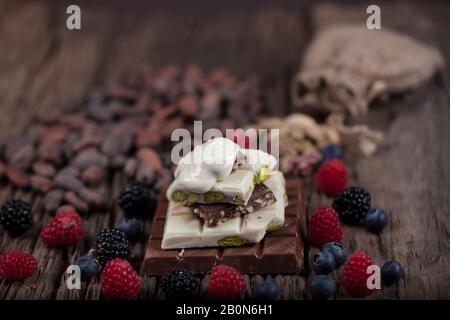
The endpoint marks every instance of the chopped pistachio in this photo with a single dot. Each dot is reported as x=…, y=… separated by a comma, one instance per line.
x=214, y=197
x=192, y=198
x=286, y=199
x=262, y=175
x=273, y=227
x=233, y=241
x=178, y=196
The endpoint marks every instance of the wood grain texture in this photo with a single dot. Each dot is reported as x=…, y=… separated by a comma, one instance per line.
x=45, y=66
x=407, y=176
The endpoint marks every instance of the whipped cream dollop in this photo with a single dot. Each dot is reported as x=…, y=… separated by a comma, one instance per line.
x=208, y=163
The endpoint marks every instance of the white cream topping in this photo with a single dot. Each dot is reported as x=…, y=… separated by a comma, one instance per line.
x=201, y=168
x=256, y=159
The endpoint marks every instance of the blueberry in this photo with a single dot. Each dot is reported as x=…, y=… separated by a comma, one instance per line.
x=323, y=262
x=376, y=220
x=331, y=151
x=392, y=272
x=338, y=252
x=89, y=267
x=131, y=227
x=268, y=290
x=322, y=287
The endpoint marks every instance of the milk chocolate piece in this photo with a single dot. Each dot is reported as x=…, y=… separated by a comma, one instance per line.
x=281, y=251
x=212, y=214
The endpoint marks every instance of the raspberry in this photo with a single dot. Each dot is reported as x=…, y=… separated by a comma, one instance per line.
x=16, y=217
x=225, y=283
x=15, y=265
x=112, y=243
x=324, y=227
x=179, y=283
x=354, y=276
x=137, y=199
x=120, y=281
x=244, y=141
x=332, y=178
x=352, y=205
x=65, y=229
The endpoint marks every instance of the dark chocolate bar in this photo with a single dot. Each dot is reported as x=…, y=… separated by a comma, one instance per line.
x=212, y=214
x=281, y=251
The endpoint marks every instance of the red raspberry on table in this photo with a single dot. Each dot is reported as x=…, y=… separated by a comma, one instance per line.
x=332, y=178
x=16, y=265
x=244, y=141
x=354, y=276
x=65, y=229
x=325, y=227
x=225, y=282
x=120, y=281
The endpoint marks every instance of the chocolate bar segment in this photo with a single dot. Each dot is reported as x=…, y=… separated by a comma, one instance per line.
x=280, y=251
x=235, y=188
x=212, y=214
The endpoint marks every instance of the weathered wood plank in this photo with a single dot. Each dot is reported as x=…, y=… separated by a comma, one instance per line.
x=407, y=176
x=25, y=41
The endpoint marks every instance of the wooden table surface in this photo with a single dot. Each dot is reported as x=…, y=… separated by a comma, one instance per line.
x=43, y=65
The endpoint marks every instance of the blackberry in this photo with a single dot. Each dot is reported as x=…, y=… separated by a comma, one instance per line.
x=179, y=283
x=112, y=243
x=16, y=217
x=352, y=205
x=137, y=199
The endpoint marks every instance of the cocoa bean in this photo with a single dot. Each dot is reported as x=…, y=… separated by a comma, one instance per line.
x=93, y=175
x=92, y=198
x=70, y=170
x=51, y=151
x=150, y=157
x=90, y=157
x=17, y=177
x=145, y=174
x=170, y=125
x=100, y=113
x=80, y=205
x=148, y=138
x=130, y=168
x=14, y=145
x=164, y=113
x=40, y=183
x=52, y=200
x=117, y=162
x=86, y=142
x=67, y=182
x=55, y=133
x=188, y=106
x=22, y=157
x=44, y=169
x=117, y=144
x=73, y=120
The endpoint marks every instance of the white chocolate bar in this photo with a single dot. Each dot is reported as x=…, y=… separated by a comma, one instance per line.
x=184, y=230
x=238, y=186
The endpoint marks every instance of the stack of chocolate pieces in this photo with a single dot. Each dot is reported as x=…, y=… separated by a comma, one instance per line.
x=230, y=207
x=225, y=197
